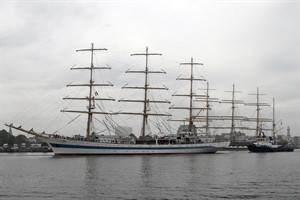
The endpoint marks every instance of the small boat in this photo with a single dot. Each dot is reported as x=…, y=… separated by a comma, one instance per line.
x=263, y=143
x=269, y=145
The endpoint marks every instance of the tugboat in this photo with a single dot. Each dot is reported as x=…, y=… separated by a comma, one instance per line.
x=264, y=144
x=268, y=144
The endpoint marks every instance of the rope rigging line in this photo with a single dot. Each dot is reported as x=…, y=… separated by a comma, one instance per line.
x=68, y=123
x=72, y=120
x=21, y=114
x=57, y=116
x=109, y=126
x=105, y=124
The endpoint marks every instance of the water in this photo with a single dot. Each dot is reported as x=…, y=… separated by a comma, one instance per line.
x=225, y=175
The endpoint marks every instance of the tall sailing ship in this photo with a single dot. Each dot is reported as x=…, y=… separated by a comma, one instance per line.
x=184, y=142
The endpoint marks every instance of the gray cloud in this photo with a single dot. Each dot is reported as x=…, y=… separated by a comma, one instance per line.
x=247, y=43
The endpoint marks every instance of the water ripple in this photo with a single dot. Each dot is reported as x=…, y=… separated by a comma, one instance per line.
x=230, y=175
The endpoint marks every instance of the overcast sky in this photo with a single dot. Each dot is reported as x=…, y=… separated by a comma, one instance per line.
x=249, y=43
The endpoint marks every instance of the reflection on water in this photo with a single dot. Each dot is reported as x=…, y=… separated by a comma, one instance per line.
x=91, y=176
x=145, y=174
x=231, y=175
x=146, y=167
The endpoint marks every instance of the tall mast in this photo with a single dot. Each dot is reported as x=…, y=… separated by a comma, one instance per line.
x=190, y=95
x=274, y=131
x=257, y=112
x=145, y=116
x=232, y=109
x=146, y=89
x=91, y=98
x=274, y=123
x=90, y=114
x=233, y=103
x=258, y=119
x=207, y=108
x=207, y=99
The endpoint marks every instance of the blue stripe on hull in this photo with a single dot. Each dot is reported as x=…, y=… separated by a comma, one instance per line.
x=81, y=151
x=132, y=153
x=126, y=148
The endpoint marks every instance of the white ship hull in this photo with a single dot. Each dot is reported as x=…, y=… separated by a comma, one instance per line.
x=74, y=147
